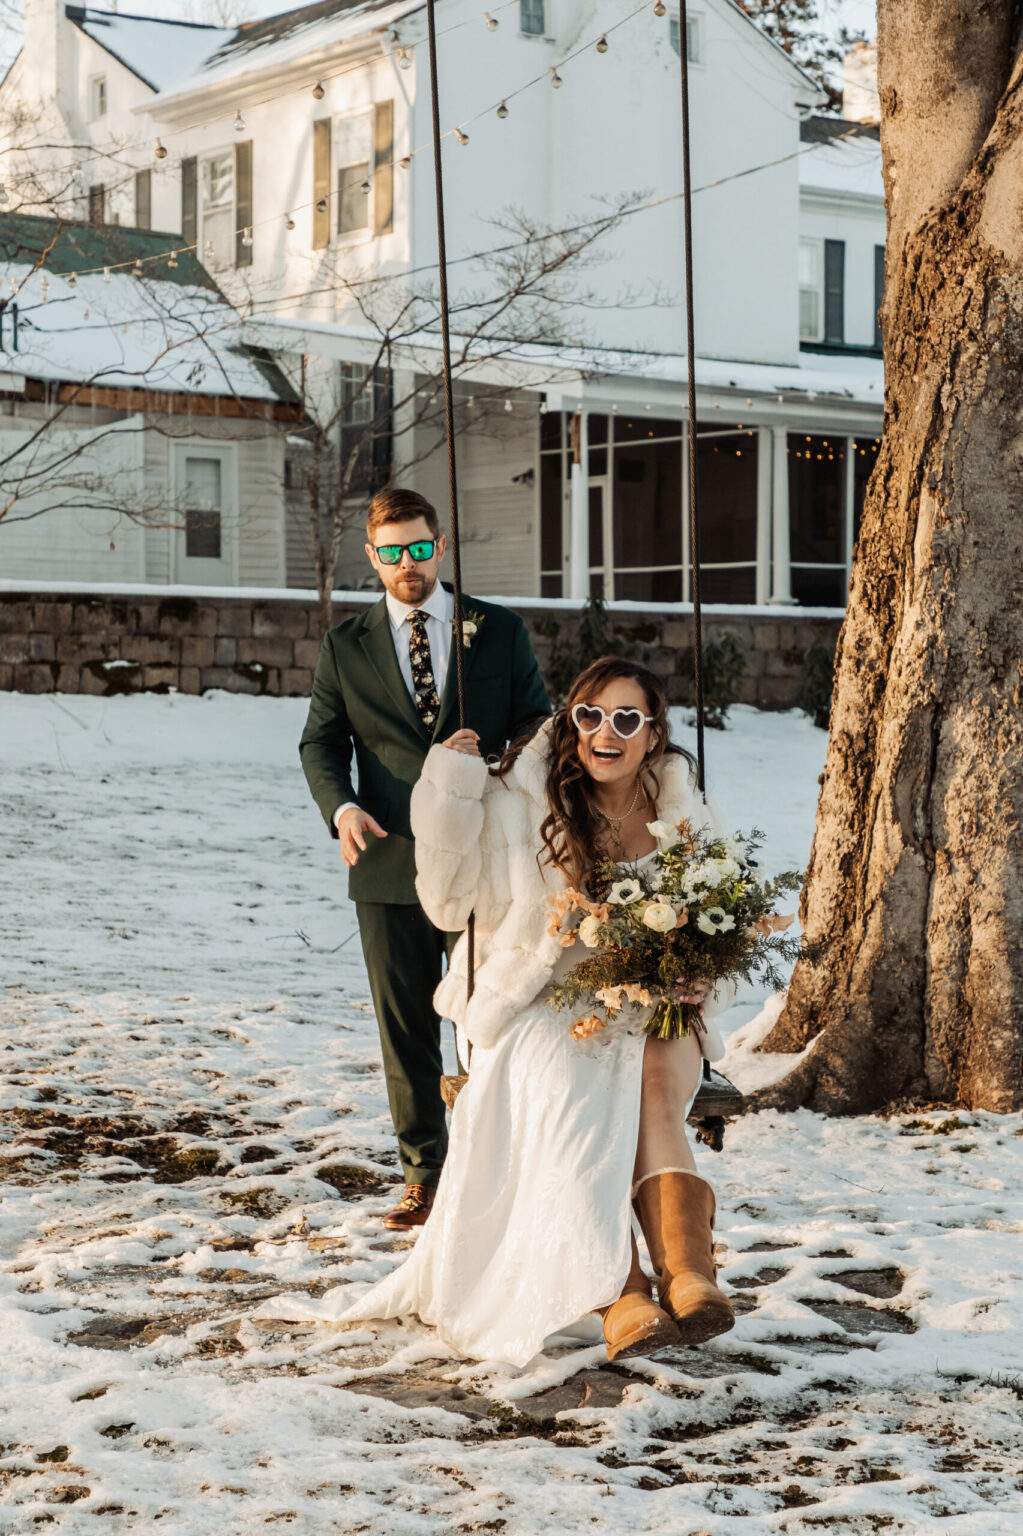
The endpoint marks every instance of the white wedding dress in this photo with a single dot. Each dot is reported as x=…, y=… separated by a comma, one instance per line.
x=531, y=1229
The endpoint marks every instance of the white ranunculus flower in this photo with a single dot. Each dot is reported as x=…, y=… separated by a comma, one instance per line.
x=589, y=928
x=624, y=891
x=664, y=832
x=715, y=920
x=727, y=869
x=660, y=917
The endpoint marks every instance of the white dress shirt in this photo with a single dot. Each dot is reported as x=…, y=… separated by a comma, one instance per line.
x=439, y=608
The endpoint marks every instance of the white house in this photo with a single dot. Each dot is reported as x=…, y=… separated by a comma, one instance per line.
x=293, y=155
x=140, y=439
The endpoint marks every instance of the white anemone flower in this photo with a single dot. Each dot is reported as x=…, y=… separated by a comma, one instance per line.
x=625, y=891
x=715, y=920
x=664, y=832
x=727, y=869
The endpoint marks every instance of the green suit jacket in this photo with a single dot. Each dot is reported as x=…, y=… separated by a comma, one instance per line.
x=361, y=716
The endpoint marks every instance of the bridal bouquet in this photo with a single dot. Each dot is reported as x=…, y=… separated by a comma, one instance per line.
x=702, y=912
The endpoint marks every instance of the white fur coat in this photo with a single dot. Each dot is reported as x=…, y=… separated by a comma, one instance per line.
x=477, y=842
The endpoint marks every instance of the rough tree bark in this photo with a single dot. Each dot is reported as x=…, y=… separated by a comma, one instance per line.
x=916, y=874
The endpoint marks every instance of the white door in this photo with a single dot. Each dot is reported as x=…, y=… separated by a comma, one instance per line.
x=207, y=524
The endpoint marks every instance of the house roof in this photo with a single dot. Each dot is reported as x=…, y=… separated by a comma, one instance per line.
x=156, y=51
x=171, y=330
x=844, y=159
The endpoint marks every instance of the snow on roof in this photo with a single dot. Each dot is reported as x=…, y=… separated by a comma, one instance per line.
x=170, y=330
x=277, y=40
x=159, y=52
x=847, y=159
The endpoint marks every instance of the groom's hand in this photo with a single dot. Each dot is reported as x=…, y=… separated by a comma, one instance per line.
x=351, y=830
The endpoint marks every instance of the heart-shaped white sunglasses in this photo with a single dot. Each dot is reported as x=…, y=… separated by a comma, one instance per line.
x=626, y=723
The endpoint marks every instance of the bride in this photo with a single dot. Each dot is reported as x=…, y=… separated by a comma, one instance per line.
x=554, y=1142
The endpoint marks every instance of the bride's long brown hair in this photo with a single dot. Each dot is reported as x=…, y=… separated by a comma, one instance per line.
x=571, y=828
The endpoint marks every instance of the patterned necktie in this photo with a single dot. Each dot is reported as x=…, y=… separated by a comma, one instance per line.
x=423, y=682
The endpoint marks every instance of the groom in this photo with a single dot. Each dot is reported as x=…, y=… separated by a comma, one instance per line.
x=384, y=691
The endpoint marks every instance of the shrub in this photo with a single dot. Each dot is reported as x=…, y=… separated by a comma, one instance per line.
x=574, y=644
x=818, y=681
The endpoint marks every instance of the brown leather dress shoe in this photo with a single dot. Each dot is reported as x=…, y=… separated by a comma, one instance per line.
x=413, y=1210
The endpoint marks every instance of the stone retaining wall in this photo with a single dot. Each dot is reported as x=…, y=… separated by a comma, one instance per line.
x=106, y=644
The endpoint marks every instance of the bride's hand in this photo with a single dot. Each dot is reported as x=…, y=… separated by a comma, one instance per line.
x=695, y=992
x=464, y=741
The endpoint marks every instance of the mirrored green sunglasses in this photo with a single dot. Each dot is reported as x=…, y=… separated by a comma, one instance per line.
x=390, y=554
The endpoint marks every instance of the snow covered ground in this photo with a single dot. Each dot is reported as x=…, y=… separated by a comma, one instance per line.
x=192, y=1120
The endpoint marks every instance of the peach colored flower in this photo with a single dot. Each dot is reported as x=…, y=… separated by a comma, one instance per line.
x=584, y=1027
x=611, y=997
x=780, y=921
x=682, y=919
x=634, y=993
x=567, y=940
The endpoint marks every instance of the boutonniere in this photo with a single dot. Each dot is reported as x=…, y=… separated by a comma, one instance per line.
x=472, y=623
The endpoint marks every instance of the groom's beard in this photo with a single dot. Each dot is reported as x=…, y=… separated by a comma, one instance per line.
x=413, y=589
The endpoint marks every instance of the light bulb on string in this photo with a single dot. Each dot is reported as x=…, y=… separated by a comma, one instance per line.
x=318, y=91
x=72, y=281
x=159, y=151
x=365, y=188
x=239, y=121
x=660, y=9
x=602, y=44
x=502, y=110
x=508, y=406
x=136, y=270
x=44, y=286
x=491, y=21
x=405, y=162
x=404, y=59
x=463, y=138
x=556, y=80
x=106, y=274
x=172, y=260
x=207, y=251
x=247, y=235
x=321, y=205
x=289, y=222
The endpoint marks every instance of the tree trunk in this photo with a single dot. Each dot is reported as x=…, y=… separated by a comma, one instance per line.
x=916, y=873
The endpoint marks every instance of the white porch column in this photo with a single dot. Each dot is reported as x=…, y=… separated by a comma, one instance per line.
x=850, y=504
x=579, y=518
x=765, y=443
x=781, y=579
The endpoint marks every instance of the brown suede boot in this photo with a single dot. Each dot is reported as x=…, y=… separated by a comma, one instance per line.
x=635, y=1324
x=676, y=1212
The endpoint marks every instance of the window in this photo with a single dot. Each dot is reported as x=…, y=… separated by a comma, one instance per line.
x=532, y=21
x=809, y=290
x=354, y=173
x=216, y=210
x=204, y=508
x=97, y=203
x=692, y=37
x=365, y=427
x=97, y=97
x=878, y=291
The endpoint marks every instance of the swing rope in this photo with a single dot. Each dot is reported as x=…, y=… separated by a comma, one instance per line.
x=449, y=418
x=694, y=520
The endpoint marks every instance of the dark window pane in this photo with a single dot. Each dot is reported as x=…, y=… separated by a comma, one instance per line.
x=550, y=513
x=352, y=200
x=596, y=525
x=815, y=499
x=878, y=291
x=727, y=492
x=643, y=428
x=866, y=458
x=819, y=589
x=649, y=586
x=736, y=586
x=648, y=506
x=597, y=430
x=531, y=17
x=550, y=430
x=550, y=586
x=202, y=535
x=97, y=203
x=598, y=461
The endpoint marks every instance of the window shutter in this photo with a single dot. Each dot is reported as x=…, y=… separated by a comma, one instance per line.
x=189, y=201
x=383, y=169
x=878, y=291
x=143, y=199
x=834, y=291
x=97, y=203
x=321, y=183
x=243, y=203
